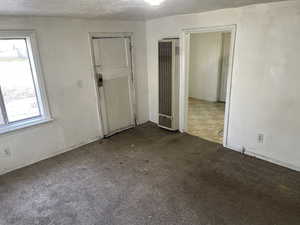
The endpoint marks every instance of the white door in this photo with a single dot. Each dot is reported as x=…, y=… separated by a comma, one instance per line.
x=113, y=67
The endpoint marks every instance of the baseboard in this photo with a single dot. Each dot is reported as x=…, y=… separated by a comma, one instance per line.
x=47, y=156
x=234, y=148
x=274, y=161
x=266, y=158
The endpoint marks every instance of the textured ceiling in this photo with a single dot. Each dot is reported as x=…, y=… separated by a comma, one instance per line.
x=115, y=9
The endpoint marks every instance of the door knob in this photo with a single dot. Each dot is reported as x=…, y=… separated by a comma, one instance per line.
x=100, y=80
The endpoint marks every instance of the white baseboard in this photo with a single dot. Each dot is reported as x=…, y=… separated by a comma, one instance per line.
x=266, y=158
x=52, y=154
x=90, y=140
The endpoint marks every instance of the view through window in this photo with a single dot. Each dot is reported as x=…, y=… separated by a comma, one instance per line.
x=18, y=94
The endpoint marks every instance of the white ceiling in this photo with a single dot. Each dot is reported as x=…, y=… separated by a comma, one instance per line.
x=115, y=9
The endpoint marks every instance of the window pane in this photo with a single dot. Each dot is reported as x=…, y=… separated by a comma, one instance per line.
x=16, y=80
x=1, y=119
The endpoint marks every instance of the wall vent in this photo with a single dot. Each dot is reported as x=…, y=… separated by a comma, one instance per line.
x=168, y=68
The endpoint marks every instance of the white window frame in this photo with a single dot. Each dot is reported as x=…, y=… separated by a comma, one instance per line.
x=38, y=79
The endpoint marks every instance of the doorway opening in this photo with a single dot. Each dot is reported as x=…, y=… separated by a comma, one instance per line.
x=113, y=69
x=208, y=60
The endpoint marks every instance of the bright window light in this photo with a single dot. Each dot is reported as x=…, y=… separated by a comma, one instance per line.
x=16, y=81
x=22, y=97
x=154, y=2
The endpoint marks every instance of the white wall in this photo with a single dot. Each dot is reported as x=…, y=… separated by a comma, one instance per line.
x=265, y=94
x=205, y=55
x=226, y=39
x=66, y=60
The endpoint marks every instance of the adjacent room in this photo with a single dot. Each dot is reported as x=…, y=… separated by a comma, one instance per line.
x=149, y=112
x=208, y=69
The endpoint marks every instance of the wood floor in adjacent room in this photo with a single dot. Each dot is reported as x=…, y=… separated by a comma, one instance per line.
x=149, y=176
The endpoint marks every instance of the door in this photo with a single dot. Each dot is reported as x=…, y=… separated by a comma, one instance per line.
x=113, y=68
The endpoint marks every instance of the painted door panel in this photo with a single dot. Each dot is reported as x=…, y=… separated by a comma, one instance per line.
x=112, y=58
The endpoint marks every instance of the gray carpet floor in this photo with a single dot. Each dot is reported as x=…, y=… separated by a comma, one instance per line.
x=149, y=176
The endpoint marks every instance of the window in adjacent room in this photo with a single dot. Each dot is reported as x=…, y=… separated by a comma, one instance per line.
x=22, y=96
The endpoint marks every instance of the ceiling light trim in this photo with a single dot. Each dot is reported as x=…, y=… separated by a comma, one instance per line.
x=154, y=2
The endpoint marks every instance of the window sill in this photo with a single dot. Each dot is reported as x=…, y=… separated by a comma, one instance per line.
x=25, y=124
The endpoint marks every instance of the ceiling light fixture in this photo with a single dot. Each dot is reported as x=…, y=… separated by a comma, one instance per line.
x=154, y=2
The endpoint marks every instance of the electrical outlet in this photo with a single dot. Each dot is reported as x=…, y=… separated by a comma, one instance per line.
x=260, y=138
x=5, y=152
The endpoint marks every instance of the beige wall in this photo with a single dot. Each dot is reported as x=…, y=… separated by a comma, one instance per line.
x=205, y=55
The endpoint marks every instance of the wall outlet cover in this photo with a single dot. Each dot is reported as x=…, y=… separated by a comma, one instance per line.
x=260, y=138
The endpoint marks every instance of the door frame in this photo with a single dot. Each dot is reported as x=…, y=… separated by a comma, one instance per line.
x=184, y=75
x=133, y=106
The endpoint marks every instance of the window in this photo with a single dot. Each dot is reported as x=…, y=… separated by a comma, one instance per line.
x=22, y=96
